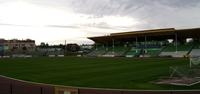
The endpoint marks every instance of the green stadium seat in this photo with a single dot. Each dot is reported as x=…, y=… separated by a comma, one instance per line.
x=153, y=52
x=116, y=51
x=172, y=48
x=134, y=52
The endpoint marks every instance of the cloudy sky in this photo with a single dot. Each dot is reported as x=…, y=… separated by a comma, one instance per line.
x=54, y=21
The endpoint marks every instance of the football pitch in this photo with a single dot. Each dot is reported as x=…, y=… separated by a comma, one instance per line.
x=118, y=73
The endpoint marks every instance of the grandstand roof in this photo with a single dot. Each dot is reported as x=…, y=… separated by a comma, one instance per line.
x=155, y=34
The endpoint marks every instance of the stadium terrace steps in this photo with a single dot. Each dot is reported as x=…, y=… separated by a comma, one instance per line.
x=182, y=50
x=133, y=52
x=109, y=51
x=174, y=54
x=195, y=52
x=153, y=51
x=172, y=48
x=97, y=52
x=117, y=51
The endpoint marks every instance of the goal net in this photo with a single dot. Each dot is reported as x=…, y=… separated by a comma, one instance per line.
x=185, y=75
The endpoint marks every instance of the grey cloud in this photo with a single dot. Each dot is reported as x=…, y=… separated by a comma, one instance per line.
x=156, y=13
x=150, y=13
x=14, y=25
x=179, y=3
x=119, y=7
x=62, y=26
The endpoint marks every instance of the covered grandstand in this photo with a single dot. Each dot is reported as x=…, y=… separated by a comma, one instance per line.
x=168, y=42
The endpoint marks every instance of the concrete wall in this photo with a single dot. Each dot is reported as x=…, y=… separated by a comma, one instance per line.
x=9, y=86
x=12, y=86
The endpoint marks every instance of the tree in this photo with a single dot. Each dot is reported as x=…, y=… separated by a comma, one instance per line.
x=73, y=47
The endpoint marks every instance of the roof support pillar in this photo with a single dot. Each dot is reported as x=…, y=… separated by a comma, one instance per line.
x=106, y=46
x=96, y=46
x=136, y=43
x=145, y=43
x=113, y=45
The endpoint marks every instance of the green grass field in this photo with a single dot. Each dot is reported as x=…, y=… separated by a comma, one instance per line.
x=119, y=73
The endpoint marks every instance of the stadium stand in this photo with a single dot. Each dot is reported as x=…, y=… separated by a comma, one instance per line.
x=150, y=43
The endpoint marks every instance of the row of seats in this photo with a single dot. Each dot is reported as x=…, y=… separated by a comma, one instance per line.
x=154, y=51
x=124, y=51
x=172, y=48
x=149, y=46
x=151, y=51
